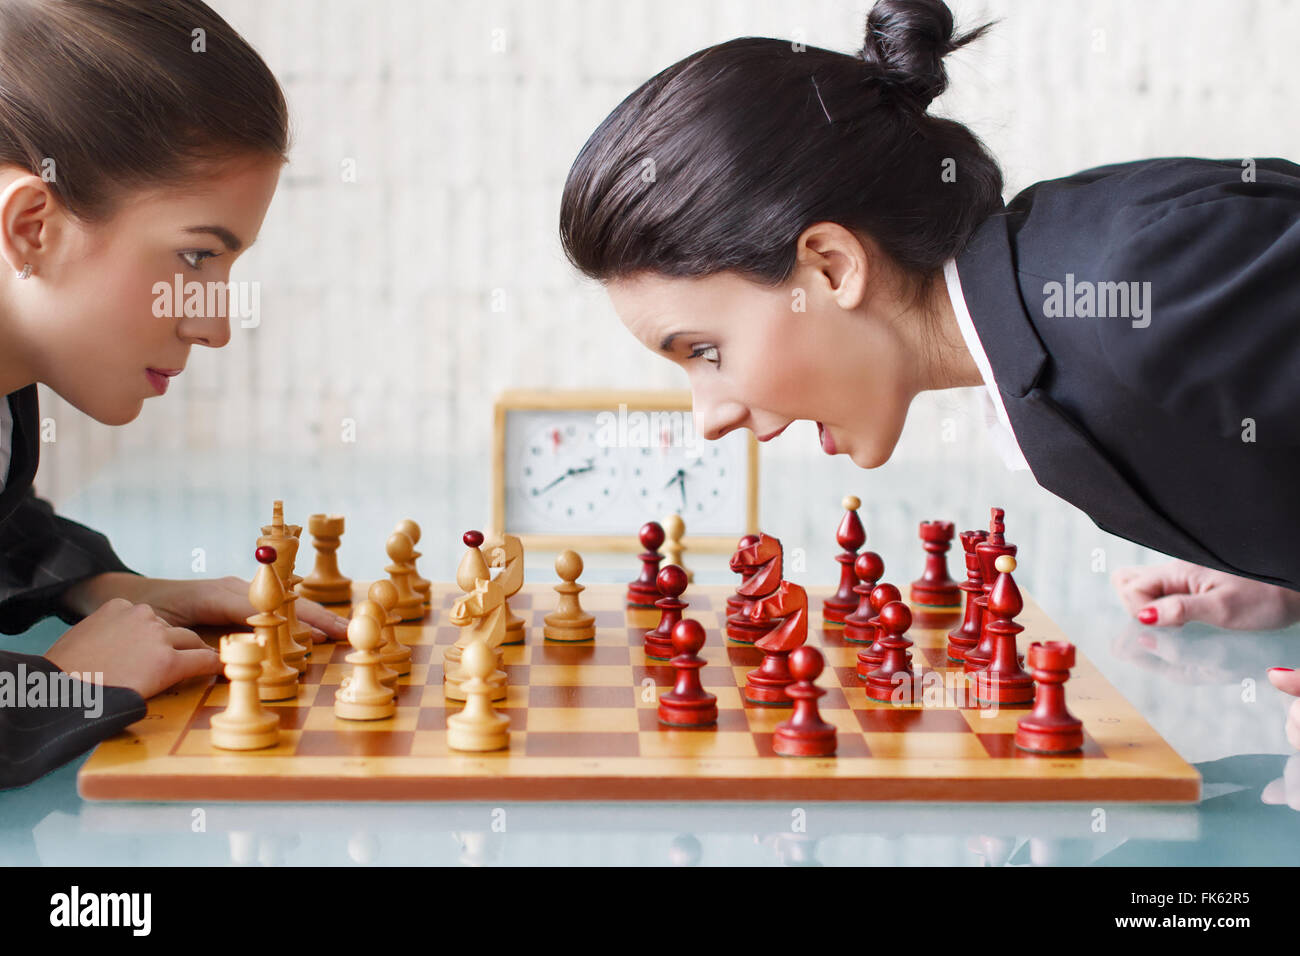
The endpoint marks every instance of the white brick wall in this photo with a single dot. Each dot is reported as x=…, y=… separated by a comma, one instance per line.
x=376, y=294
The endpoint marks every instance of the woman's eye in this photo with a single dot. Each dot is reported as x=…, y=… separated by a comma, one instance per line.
x=195, y=257
x=709, y=353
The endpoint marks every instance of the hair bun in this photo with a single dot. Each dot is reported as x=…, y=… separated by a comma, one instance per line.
x=906, y=41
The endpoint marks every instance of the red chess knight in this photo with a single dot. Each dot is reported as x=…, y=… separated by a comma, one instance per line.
x=781, y=609
x=741, y=626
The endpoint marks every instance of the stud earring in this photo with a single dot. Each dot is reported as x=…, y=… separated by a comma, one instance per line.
x=26, y=273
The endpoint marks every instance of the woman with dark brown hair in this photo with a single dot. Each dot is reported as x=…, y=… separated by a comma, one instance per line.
x=794, y=229
x=140, y=140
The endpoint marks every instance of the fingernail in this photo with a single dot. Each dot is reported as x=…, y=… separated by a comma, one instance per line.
x=1147, y=615
x=1287, y=669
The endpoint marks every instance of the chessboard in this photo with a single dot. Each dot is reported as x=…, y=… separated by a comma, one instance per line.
x=584, y=726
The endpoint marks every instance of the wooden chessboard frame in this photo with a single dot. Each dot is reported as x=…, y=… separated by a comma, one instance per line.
x=596, y=400
x=584, y=727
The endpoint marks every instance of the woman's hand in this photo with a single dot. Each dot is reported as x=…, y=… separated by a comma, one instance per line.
x=1178, y=592
x=127, y=645
x=216, y=601
x=1288, y=682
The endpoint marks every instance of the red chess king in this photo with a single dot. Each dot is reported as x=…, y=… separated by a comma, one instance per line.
x=688, y=704
x=850, y=536
x=644, y=592
x=671, y=582
x=1049, y=728
x=805, y=734
x=935, y=596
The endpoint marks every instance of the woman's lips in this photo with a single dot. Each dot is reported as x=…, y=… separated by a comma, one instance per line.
x=828, y=443
x=159, y=378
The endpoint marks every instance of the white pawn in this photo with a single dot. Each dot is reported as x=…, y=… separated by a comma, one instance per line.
x=362, y=697
x=569, y=622
x=674, y=531
x=386, y=675
x=395, y=654
x=244, y=724
x=410, y=603
x=478, y=727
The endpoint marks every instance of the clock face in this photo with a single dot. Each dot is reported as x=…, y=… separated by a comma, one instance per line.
x=587, y=472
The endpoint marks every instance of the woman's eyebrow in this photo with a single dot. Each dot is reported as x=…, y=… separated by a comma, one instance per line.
x=221, y=232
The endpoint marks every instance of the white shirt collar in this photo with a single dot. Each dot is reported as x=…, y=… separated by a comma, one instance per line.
x=995, y=412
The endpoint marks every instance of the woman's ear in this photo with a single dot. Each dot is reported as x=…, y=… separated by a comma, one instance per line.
x=28, y=214
x=836, y=261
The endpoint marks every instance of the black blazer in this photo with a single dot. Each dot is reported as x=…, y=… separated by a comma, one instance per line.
x=1179, y=430
x=41, y=556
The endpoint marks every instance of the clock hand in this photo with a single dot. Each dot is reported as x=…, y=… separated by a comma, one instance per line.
x=591, y=466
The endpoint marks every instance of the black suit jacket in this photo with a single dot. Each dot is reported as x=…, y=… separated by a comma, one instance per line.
x=1179, y=430
x=41, y=556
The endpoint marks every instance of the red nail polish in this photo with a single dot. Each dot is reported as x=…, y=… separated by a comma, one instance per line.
x=1288, y=669
x=1147, y=615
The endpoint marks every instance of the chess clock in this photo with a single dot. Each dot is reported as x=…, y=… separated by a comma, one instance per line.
x=585, y=469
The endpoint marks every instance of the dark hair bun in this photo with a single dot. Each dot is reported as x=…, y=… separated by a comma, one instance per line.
x=906, y=41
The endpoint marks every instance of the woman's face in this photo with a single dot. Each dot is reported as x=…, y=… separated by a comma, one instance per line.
x=99, y=330
x=754, y=361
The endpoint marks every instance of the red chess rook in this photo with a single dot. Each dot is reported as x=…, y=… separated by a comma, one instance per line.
x=1049, y=728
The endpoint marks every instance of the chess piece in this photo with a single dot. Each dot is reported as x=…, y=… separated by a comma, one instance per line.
x=988, y=551
x=481, y=617
x=1003, y=681
x=1049, y=728
x=735, y=601
x=805, y=734
x=245, y=724
x=362, y=696
x=421, y=586
x=478, y=727
x=858, y=628
x=472, y=569
x=383, y=673
x=893, y=681
x=569, y=622
x=394, y=654
x=279, y=681
x=325, y=584
x=506, y=552
x=295, y=637
x=410, y=605
x=674, y=531
x=935, y=596
x=783, y=608
x=671, y=582
x=850, y=535
x=967, y=634
x=743, y=626
x=643, y=592
x=688, y=704
x=872, y=656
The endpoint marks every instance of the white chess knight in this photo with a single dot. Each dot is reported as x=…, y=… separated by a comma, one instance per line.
x=481, y=616
x=506, y=553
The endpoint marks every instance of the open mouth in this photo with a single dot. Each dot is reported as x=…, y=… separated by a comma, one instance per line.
x=828, y=443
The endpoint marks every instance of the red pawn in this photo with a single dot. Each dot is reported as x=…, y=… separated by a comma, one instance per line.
x=893, y=679
x=1049, y=728
x=869, y=658
x=736, y=600
x=688, y=704
x=967, y=634
x=643, y=592
x=850, y=536
x=805, y=734
x=858, y=628
x=671, y=582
